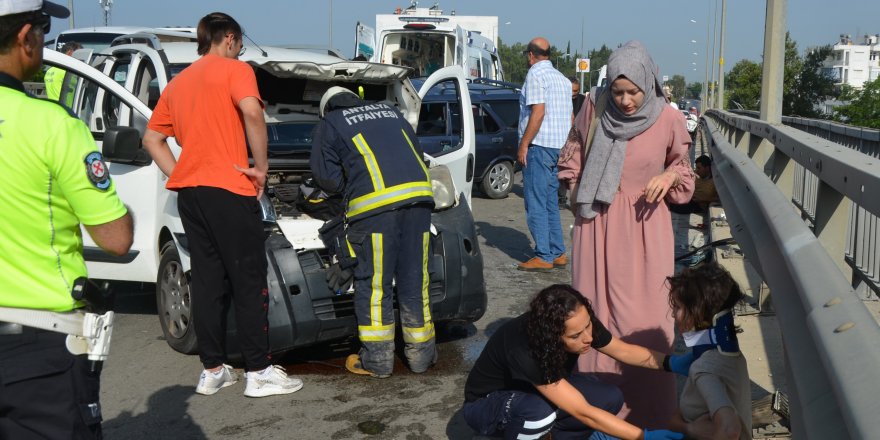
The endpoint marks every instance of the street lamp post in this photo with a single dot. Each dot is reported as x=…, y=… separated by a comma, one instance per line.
x=721, y=103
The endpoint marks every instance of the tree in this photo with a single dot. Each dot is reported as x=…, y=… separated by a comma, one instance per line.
x=598, y=58
x=864, y=107
x=514, y=63
x=694, y=90
x=813, y=85
x=677, y=84
x=794, y=65
x=744, y=84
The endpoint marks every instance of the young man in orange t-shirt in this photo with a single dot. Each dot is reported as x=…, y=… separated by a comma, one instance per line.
x=209, y=108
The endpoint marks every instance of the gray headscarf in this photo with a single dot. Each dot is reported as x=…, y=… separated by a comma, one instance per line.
x=601, y=173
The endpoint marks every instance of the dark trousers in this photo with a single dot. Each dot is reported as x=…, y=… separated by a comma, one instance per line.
x=392, y=250
x=224, y=232
x=520, y=414
x=45, y=391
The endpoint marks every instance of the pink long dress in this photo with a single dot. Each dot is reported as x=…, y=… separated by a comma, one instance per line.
x=620, y=261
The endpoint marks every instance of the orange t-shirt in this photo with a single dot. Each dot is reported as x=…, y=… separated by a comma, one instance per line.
x=199, y=108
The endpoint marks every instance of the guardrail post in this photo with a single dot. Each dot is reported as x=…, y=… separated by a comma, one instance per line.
x=761, y=151
x=781, y=172
x=832, y=219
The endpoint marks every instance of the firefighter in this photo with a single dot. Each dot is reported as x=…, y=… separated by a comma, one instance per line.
x=54, y=180
x=370, y=153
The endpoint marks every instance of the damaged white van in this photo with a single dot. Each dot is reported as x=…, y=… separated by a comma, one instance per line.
x=115, y=95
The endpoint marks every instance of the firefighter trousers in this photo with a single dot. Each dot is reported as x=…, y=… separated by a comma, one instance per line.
x=392, y=251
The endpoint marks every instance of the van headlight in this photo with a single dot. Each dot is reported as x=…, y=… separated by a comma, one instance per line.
x=442, y=186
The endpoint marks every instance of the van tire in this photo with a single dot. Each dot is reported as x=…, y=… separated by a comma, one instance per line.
x=498, y=180
x=173, y=302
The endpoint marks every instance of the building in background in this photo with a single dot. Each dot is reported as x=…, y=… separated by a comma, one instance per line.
x=853, y=63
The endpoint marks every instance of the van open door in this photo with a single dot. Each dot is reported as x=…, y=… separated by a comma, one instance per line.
x=460, y=159
x=365, y=42
x=460, y=47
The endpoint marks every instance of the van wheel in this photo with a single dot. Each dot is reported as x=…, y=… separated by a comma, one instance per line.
x=498, y=180
x=174, y=303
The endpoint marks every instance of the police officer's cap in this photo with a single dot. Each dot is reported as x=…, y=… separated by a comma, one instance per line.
x=10, y=7
x=336, y=98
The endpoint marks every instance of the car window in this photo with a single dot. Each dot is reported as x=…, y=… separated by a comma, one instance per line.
x=432, y=119
x=146, y=87
x=89, y=40
x=112, y=103
x=483, y=121
x=507, y=110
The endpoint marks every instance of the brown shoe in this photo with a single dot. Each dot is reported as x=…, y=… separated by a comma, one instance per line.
x=535, y=265
x=560, y=261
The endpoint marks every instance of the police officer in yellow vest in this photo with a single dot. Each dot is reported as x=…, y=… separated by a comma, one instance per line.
x=370, y=153
x=53, y=180
x=55, y=75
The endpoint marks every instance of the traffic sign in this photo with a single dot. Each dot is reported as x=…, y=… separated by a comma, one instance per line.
x=665, y=78
x=583, y=65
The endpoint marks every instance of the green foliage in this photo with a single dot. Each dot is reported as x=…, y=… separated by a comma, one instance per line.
x=514, y=63
x=694, y=90
x=598, y=58
x=677, y=83
x=864, y=107
x=804, y=83
x=794, y=65
x=743, y=84
x=812, y=85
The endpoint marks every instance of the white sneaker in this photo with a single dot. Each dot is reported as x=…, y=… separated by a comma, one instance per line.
x=210, y=383
x=269, y=382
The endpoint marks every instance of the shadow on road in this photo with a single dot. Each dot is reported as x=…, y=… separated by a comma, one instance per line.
x=166, y=417
x=514, y=243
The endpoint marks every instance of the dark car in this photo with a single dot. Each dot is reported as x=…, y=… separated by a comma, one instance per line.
x=495, y=106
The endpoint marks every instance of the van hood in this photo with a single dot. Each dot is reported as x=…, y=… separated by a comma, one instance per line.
x=360, y=71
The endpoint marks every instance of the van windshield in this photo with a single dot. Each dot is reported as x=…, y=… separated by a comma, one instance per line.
x=89, y=40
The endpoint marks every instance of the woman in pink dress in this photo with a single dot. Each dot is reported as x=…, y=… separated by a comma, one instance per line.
x=622, y=247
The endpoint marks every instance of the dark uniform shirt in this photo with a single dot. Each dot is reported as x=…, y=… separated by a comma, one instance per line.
x=507, y=364
x=372, y=155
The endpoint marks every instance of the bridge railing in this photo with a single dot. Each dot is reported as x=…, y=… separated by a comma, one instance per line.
x=832, y=343
x=862, y=251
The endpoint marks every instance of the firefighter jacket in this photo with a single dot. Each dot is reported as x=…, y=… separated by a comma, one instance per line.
x=370, y=153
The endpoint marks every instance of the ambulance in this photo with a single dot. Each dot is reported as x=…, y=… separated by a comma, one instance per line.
x=426, y=39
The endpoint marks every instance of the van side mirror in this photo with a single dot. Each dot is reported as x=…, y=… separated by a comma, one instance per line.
x=123, y=145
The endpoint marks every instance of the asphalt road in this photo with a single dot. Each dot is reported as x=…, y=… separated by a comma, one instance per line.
x=148, y=390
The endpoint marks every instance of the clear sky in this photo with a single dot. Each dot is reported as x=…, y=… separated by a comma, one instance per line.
x=666, y=27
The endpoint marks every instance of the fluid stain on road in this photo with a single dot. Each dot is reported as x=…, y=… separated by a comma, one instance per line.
x=458, y=348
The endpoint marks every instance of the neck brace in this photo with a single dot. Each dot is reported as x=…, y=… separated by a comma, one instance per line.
x=722, y=336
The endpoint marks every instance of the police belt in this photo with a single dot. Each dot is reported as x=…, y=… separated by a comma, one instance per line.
x=88, y=333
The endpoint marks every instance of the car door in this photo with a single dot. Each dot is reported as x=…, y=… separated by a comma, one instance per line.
x=459, y=160
x=103, y=102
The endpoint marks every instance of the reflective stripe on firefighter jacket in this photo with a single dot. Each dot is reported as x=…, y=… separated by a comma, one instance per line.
x=370, y=153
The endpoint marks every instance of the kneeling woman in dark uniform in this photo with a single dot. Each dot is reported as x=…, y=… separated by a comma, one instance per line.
x=522, y=385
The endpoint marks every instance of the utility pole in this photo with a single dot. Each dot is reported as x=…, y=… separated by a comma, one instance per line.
x=721, y=103
x=774, y=62
x=713, y=92
x=71, y=23
x=330, y=27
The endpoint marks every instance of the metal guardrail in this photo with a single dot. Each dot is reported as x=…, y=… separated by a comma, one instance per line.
x=862, y=251
x=832, y=343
